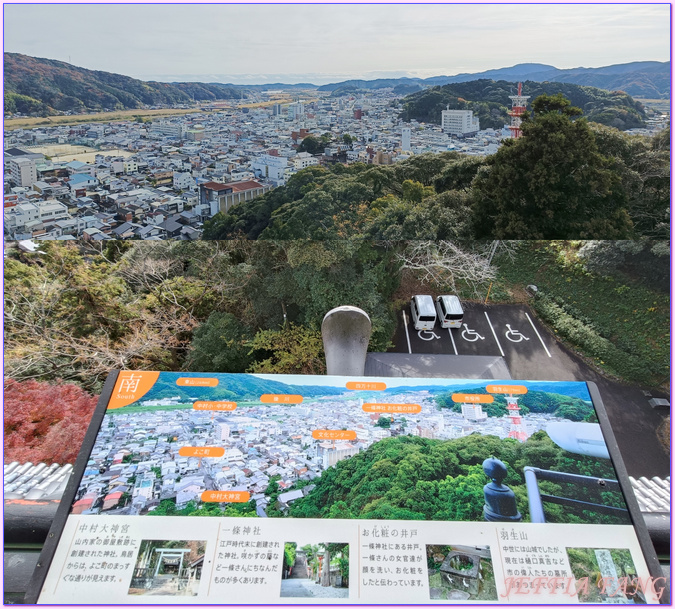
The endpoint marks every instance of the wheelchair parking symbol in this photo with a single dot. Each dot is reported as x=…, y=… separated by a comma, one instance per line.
x=514, y=335
x=471, y=335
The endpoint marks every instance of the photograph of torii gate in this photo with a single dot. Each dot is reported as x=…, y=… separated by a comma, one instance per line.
x=168, y=567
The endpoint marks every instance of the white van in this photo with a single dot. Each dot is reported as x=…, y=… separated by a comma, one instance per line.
x=423, y=312
x=450, y=312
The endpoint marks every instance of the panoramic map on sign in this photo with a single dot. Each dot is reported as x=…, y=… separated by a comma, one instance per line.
x=273, y=488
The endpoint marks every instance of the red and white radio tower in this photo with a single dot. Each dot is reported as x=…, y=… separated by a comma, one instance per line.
x=518, y=103
x=516, y=430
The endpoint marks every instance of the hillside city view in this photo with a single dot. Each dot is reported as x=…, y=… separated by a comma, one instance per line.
x=231, y=168
x=187, y=202
x=265, y=450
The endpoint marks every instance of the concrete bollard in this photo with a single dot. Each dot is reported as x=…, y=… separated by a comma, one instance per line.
x=346, y=332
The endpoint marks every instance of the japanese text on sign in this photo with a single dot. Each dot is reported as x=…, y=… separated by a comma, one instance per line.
x=391, y=562
x=512, y=389
x=196, y=382
x=392, y=408
x=225, y=496
x=245, y=562
x=366, y=386
x=201, y=451
x=224, y=406
x=270, y=398
x=333, y=434
x=472, y=398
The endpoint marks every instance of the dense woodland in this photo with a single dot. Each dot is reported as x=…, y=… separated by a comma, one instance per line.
x=490, y=101
x=412, y=478
x=76, y=313
x=44, y=86
x=565, y=178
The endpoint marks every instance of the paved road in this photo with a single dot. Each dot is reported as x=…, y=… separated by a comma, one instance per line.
x=306, y=588
x=532, y=352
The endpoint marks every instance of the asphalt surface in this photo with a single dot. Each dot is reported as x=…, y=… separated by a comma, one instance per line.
x=532, y=352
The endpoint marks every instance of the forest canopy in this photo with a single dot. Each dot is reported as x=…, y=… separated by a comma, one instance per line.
x=412, y=478
x=565, y=178
x=489, y=100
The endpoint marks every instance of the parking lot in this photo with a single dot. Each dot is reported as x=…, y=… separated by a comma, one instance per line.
x=532, y=352
x=510, y=331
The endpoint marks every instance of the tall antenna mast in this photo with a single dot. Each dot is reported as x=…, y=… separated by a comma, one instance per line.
x=518, y=107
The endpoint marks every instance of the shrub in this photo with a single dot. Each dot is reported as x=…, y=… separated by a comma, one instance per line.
x=587, y=339
x=45, y=422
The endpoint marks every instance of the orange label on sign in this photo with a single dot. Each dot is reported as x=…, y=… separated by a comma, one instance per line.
x=472, y=398
x=229, y=496
x=392, y=408
x=201, y=451
x=214, y=406
x=131, y=385
x=364, y=385
x=513, y=389
x=271, y=398
x=196, y=382
x=333, y=434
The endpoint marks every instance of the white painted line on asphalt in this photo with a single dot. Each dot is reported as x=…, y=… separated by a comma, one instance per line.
x=405, y=325
x=453, y=341
x=538, y=335
x=494, y=334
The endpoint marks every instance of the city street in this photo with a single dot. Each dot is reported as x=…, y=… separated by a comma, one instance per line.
x=532, y=352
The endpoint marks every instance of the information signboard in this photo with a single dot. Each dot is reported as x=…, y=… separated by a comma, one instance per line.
x=274, y=489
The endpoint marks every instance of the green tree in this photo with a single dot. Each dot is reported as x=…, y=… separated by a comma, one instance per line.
x=414, y=192
x=551, y=183
x=312, y=144
x=289, y=554
x=644, y=166
x=290, y=350
x=384, y=422
x=220, y=344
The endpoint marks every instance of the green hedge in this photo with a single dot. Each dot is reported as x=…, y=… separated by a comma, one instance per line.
x=582, y=334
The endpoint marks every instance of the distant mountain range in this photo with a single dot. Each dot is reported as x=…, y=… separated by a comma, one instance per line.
x=647, y=79
x=45, y=86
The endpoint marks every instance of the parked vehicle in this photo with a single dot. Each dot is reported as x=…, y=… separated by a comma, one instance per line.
x=423, y=312
x=450, y=311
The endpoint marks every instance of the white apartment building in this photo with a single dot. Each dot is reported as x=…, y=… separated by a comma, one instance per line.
x=459, y=122
x=405, y=138
x=270, y=166
x=329, y=454
x=169, y=129
x=183, y=181
x=473, y=412
x=303, y=160
x=223, y=431
x=23, y=172
x=24, y=215
x=296, y=110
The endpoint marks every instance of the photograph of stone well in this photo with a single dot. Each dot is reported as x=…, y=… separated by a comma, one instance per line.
x=460, y=573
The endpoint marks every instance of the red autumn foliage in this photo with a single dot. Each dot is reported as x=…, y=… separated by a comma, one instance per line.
x=45, y=422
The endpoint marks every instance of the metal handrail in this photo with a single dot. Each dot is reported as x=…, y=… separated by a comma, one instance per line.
x=536, y=499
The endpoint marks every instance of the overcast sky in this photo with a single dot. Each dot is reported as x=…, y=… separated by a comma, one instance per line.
x=327, y=43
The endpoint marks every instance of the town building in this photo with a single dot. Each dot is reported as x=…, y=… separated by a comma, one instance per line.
x=221, y=197
x=22, y=171
x=459, y=122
